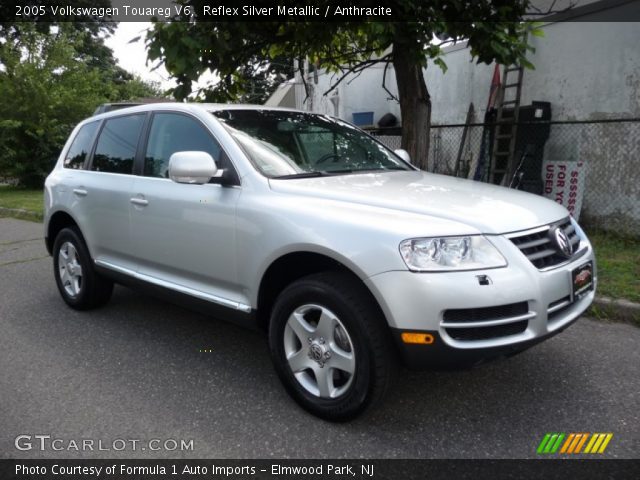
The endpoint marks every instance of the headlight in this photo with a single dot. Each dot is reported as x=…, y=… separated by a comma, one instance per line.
x=450, y=253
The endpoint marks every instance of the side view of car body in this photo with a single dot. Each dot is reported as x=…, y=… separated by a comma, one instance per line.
x=303, y=226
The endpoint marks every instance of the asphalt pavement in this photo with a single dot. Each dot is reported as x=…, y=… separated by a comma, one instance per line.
x=140, y=369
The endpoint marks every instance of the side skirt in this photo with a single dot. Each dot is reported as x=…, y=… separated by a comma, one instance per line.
x=219, y=312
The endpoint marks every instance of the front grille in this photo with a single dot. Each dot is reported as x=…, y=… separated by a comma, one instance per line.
x=540, y=247
x=487, y=333
x=497, y=312
x=468, y=324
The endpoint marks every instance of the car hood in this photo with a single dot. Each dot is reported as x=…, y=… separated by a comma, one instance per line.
x=488, y=208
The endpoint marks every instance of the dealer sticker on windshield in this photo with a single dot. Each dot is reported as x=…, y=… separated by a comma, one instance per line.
x=582, y=280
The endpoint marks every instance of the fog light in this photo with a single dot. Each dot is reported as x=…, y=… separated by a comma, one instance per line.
x=419, y=338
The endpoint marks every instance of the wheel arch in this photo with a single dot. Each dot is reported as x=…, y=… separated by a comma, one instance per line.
x=291, y=266
x=58, y=221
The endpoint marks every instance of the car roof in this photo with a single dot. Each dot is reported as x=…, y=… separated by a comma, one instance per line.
x=189, y=107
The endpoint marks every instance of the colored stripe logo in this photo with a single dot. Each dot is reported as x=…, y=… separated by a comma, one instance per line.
x=574, y=443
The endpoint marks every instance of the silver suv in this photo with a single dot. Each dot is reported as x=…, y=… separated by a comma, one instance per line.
x=350, y=259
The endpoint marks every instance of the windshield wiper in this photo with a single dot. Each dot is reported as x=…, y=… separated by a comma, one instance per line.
x=329, y=173
x=323, y=173
x=301, y=175
x=343, y=170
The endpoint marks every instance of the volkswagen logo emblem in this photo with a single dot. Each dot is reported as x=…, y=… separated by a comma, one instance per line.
x=563, y=242
x=316, y=352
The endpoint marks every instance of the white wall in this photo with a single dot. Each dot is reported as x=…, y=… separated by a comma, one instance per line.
x=363, y=93
x=587, y=70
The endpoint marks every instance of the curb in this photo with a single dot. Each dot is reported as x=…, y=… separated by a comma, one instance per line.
x=20, y=214
x=617, y=309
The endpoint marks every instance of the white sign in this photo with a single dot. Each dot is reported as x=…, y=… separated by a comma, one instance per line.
x=564, y=183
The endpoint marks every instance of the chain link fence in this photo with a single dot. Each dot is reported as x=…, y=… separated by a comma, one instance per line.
x=591, y=167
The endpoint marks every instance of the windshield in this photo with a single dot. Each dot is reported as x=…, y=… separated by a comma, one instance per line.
x=285, y=144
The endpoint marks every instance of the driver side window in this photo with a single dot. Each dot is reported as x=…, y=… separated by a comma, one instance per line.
x=173, y=132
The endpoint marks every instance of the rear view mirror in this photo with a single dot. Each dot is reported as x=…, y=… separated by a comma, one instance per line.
x=403, y=154
x=192, y=167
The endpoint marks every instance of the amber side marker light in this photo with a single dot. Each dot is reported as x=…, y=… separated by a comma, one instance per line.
x=418, y=338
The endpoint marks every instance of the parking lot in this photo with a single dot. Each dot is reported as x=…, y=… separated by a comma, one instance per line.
x=141, y=368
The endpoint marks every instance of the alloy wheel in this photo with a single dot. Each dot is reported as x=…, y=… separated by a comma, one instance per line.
x=319, y=351
x=69, y=269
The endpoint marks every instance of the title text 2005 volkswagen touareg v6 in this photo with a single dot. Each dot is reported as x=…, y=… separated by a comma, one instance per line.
x=307, y=227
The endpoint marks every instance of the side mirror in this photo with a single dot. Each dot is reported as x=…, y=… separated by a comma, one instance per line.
x=403, y=154
x=192, y=167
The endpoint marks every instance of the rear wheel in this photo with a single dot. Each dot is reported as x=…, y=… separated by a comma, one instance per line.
x=330, y=345
x=79, y=284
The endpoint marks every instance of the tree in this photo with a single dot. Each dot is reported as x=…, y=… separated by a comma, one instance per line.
x=259, y=77
x=48, y=83
x=130, y=87
x=189, y=46
x=45, y=91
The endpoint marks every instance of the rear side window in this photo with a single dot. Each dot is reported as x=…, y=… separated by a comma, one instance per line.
x=170, y=133
x=117, y=144
x=80, y=146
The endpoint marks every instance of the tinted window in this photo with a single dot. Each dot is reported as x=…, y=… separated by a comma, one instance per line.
x=172, y=133
x=80, y=146
x=116, y=148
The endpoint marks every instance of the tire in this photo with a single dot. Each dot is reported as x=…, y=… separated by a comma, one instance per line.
x=78, y=283
x=330, y=346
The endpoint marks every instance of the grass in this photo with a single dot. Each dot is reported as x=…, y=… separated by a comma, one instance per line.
x=22, y=203
x=618, y=256
x=618, y=260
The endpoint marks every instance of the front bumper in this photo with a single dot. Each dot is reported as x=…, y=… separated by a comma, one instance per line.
x=529, y=305
x=440, y=355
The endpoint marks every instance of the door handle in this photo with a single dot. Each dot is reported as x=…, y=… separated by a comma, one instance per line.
x=140, y=201
x=81, y=192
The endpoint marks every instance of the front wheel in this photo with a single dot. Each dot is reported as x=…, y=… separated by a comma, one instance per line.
x=330, y=345
x=80, y=286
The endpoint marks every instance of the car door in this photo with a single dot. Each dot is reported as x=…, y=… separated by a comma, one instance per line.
x=185, y=234
x=102, y=192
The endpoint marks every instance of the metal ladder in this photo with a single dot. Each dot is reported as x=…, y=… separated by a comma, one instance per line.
x=502, y=160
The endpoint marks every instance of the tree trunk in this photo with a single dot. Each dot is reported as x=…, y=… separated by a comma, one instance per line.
x=415, y=106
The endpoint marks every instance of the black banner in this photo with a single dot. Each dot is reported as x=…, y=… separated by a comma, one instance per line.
x=310, y=11
x=318, y=469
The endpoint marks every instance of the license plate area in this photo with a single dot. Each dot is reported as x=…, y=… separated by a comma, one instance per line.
x=581, y=280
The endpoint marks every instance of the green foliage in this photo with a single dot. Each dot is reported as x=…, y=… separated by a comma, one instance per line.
x=131, y=87
x=260, y=77
x=21, y=202
x=618, y=260
x=49, y=81
x=45, y=91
